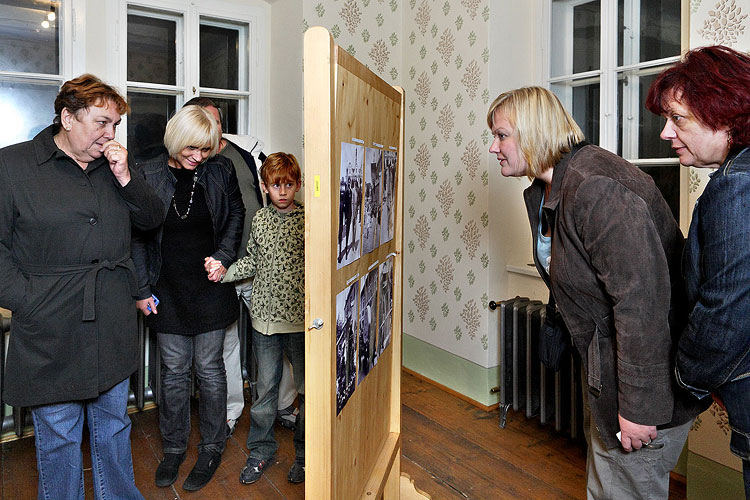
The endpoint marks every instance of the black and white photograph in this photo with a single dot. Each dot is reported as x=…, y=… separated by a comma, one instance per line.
x=373, y=167
x=388, y=174
x=346, y=344
x=385, y=313
x=350, y=204
x=368, y=292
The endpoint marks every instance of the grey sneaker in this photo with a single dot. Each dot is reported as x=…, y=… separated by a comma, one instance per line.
x=297, y=472
x=287, y=417
x=253, y=469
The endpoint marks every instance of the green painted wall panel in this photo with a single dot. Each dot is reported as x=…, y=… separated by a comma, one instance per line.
x=443, y=367
x=709, y=480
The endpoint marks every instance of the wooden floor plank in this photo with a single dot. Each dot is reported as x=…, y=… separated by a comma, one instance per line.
x=527, y=446
x=452, y=451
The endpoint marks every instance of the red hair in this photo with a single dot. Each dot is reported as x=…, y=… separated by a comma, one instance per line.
x=86, y=91
x=714, y=83
x=279, y=168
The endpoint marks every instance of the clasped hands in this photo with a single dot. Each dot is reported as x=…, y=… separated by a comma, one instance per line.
x=214, y=268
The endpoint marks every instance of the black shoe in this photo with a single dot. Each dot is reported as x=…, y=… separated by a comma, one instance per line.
x=166, y=472
x=253, y=469
x=203, y=470
x=297, y=472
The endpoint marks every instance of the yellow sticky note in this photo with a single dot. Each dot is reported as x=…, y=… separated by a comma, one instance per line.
x=316, y=187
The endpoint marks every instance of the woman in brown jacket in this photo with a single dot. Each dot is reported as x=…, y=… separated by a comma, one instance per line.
x=608, y=247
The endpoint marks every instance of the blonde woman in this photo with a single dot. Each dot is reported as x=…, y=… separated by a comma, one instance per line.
x=202, y=214
x=608, y=247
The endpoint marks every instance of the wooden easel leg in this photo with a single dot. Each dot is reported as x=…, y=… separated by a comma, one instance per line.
x=409, y=491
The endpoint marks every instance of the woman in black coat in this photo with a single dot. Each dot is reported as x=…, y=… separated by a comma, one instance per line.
x=202, y=215
x=67, y=202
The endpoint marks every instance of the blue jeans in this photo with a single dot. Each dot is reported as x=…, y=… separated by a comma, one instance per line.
x=178, y=354
x=58, y=432
x=268, y=351
x=736, y=398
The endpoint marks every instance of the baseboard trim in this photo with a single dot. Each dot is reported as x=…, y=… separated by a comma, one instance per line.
x=450, y=391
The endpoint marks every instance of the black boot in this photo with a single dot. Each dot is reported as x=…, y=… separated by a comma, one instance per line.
x=166, y=472
x=203, y=470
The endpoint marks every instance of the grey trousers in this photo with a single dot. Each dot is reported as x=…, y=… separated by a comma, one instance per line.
x=232, y=363
x=641, y=474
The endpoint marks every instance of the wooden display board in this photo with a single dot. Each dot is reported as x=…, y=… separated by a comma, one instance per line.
x=353, y=443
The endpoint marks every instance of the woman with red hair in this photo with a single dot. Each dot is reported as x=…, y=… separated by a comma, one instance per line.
x=705, y=100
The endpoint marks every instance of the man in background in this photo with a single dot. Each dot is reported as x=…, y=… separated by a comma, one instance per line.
x=247, y=164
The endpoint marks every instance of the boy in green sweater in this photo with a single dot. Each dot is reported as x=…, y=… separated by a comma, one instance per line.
x=276, y=258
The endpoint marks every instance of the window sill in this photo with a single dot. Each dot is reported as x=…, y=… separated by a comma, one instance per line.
x=526, y=269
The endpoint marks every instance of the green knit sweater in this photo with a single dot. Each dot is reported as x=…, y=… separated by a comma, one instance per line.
x=276, y=257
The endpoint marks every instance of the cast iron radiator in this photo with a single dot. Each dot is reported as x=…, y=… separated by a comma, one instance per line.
x=525, y=383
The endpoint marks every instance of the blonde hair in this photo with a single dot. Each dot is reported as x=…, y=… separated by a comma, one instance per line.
x=280, y=167
x=192, y=126
x=544, y=128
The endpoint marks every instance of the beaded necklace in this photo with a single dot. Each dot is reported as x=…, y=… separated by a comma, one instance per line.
x=190, y=203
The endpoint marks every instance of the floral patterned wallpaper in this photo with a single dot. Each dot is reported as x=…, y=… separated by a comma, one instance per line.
x=723, y=22
x=437, y=51
x=446, y=219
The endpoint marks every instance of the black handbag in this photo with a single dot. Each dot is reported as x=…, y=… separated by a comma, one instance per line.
x=554, y=339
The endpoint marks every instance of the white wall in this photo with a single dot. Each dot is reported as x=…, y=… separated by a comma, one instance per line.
x=285, y=79
x=514, y=62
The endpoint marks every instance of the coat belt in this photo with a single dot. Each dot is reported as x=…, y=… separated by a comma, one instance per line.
x=91, y=272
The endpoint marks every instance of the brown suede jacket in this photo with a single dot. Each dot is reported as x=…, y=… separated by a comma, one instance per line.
x=615, y=275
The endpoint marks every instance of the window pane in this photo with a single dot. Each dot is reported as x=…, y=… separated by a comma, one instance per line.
x=576, y=37
x=667, y=179
x=649, y=31
x=638, y=128
x=152, y=50
x=27, y=45
x=219, y=58
x=146, y=123
x=586, y=36
x=229, y=114
x=581, y=101
x=25, y=109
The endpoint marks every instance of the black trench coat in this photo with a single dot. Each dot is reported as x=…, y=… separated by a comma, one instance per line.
x=66, y=272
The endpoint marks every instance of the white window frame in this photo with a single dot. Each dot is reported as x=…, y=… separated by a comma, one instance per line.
x=608, y=75
x=72, y=49
x=244, y=90
x=253, y=118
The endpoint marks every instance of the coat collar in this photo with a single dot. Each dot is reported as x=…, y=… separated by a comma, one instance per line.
x=558, y=173
x=44, y=144
x=45, y=149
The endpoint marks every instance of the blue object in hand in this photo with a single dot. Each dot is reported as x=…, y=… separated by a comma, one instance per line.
x=156, y=302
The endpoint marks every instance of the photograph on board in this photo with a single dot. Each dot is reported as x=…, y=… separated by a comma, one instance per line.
x=373, y=166
x=346, y=344
x=389, y=195
x=367, y=323
x=385, y=314
x=350, y=204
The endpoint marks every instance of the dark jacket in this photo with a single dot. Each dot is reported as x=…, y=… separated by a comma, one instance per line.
x=67, y=273
x=715, y=347
x=219, y=182
x=615, y=276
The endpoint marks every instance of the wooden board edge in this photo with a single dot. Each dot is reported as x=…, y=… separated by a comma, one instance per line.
x=409, y=490
x=351, y=64
x=380, y=473
x=319, y=365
